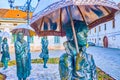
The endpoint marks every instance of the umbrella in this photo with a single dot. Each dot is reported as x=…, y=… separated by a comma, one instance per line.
x=25, y=29
x=5, y=34
x=49, y=17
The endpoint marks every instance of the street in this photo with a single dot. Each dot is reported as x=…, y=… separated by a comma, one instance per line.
x=107, y=59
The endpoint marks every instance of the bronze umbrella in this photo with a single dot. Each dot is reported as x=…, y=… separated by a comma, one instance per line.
x=49, y=16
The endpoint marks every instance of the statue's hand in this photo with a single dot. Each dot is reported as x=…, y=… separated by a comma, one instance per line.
x=78, y=61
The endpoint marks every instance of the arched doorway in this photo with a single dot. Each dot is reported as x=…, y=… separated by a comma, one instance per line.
x=105, y=41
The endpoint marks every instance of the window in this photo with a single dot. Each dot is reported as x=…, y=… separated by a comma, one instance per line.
x=95, y=30
x=90, y=31
x=56, y=39
x=99, y=28
x=99, y=38
x=113, y=23
x=104, y=26
x=15, y=24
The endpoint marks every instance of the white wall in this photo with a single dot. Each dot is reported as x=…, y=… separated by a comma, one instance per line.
x=113, y=34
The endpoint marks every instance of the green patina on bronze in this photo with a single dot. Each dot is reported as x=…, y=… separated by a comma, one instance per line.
x=22, y=57
x=45, y=52
x=5, y=53
x=79, y=66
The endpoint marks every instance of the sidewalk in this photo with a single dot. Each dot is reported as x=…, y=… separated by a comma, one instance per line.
x=37, y=72
x=107, y=59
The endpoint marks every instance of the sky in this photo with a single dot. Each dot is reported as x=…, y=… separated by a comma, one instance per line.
x=5, y=4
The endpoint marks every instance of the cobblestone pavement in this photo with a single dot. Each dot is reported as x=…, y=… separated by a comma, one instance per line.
x=107, y=59
x=37, y=72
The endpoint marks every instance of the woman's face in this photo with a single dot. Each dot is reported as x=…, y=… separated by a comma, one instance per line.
x=20, y=36
x=82, y=37
x=5, y=40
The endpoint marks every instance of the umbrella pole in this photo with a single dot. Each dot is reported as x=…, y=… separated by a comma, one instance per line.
x=77, y=58
x=28, y=37
x=74, y=34
x=0, y=43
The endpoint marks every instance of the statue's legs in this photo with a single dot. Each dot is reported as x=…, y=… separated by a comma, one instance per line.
x=45, y=62
x=24, y=78
x=5, y=65
x=29, y=60
x=19, y=78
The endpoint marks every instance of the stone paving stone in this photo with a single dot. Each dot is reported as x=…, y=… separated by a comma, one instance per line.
x=37, y=72
x=107, y=59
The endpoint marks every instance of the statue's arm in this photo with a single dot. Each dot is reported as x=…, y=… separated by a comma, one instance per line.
x=4, y=47
x=7, y=48
x=69, y=49
x=47, y=42
x=18, y=49
x=26, y=48
x=66, y=47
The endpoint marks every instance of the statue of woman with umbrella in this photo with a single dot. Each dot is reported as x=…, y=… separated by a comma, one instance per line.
x=5, y=53
x=21, y=50
x=44, y=53
x=85, y=68
x=5, y=49
x=21, y=53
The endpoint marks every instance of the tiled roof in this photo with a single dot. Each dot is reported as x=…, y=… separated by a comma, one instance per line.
x=9, y=13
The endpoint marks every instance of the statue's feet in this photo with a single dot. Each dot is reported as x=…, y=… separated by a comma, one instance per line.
x=4, y=68
x=45, y=66
x=30, y=67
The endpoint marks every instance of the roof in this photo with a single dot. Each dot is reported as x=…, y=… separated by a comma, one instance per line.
x=10, y=13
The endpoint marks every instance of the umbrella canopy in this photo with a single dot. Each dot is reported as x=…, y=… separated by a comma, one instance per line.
x=5, y=35
x=25, y=29
x=49, y=17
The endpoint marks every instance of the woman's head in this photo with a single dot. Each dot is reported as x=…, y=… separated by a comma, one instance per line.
x=20, y=36
x=5, y=40
x=81, y=33
x=81, y=30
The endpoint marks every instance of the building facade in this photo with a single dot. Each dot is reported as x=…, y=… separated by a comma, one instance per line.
x=106, y=34
x=55, y=42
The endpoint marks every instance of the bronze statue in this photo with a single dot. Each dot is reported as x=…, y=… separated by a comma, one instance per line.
x=0, y=42
x=22, y=61
x=44, y=54
x=5, y=53
x=73, y=65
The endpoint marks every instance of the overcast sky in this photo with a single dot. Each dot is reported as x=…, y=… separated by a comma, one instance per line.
x=5, y=4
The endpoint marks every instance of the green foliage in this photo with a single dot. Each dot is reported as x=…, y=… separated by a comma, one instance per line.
x=103, y=76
